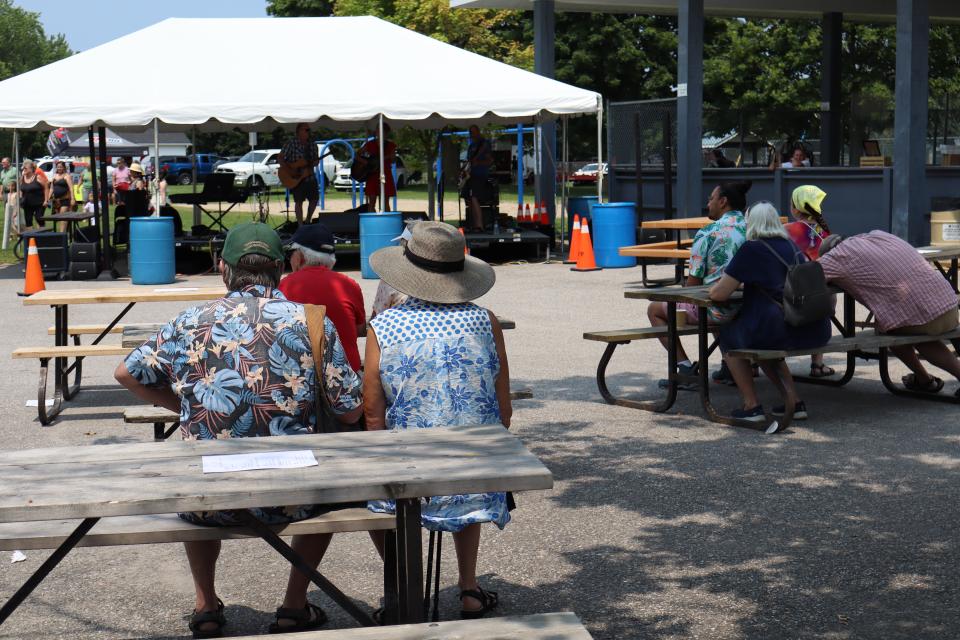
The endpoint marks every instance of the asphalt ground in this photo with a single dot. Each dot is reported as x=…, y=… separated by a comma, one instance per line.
x=659, y=525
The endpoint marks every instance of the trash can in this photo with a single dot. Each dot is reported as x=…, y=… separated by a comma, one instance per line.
x=377, y=230
x=614, y=225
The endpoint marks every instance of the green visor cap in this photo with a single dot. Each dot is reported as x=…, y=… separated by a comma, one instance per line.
x=251, y=237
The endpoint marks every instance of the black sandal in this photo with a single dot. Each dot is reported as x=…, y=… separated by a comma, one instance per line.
x=198, y=618
x=821, y=371
x=488, y=600
x=934, y=385
x=310, y=617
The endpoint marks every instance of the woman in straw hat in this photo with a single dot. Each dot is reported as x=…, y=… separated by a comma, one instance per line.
x=808, y=230
x=438, y=360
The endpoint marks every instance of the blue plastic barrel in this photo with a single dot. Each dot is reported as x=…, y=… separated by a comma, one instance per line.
x=579, y=205
x=377, y=230
x=614, y=225
x=152, y=258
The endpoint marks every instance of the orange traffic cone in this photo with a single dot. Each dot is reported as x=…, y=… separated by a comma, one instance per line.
x=544, y=214
x=585, y=261
x=574, y=242
x=526, y=215
x=466, y=251
x=34, y=280
x=519, y=213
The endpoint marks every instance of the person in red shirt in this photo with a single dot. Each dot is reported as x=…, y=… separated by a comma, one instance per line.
x=313, y=281
x=370, y=151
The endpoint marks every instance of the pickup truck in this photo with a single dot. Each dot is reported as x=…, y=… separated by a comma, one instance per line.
x=180, y=168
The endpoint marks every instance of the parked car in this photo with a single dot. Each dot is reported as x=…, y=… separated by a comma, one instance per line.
x=73, y=166
x=180, y=168
x=259, y=167
x=587, y=174
x=342, y=181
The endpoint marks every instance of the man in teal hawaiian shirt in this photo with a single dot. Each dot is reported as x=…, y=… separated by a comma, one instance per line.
x=713, y=248
x=238, y=367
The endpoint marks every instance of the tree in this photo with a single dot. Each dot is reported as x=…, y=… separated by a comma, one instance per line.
x=294, y=8
x=26, y=47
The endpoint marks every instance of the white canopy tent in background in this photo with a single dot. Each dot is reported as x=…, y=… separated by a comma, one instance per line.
x=406, y=79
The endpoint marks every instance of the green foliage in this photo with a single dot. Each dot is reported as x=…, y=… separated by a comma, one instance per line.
x=25, y=47
x=294, y=8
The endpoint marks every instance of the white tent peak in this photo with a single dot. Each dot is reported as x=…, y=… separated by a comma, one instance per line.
x=259, y=73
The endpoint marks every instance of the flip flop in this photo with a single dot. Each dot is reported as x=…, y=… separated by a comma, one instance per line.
x=488, y=601
x=821, y=371
x=198, y=618
x=310, y=617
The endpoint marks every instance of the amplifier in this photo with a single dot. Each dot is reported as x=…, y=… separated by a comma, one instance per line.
x=84, y=252
x=84, y=270
x=52, y=249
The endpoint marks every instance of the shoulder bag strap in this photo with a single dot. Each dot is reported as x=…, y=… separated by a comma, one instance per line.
x=315, y=314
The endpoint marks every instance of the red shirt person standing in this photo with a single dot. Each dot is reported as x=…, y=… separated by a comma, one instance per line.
x=370, y=152
x=313, y=281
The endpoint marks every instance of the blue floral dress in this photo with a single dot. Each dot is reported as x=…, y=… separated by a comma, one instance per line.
x=438, y=364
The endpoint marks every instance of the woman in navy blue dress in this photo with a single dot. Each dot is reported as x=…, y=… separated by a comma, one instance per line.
x=760, y=324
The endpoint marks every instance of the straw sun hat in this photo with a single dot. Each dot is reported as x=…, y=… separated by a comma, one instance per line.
x=432, y=266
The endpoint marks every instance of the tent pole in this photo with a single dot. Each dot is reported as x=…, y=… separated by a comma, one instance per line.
x=156, y=167
x=94, y=183
x=600, y=149
x=6, y=218
x=563, y=188
x=383, y=176
x=197, y=218
x=107, y=252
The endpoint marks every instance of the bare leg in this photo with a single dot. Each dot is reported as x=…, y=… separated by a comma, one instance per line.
x=476, y=216
x=742, y=374
x=311, y=548
x=202, y=557
x=657, y=314
x=467, y=544
x=937, y=354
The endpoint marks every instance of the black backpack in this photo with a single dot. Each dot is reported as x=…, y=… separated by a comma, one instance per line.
x=806, y=297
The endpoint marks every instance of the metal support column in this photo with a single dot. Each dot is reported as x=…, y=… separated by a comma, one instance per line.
x=910, y=201
x=544, y=27
x=689, y=108
x=831, y=125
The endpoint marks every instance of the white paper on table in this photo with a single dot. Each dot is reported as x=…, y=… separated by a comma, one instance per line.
x=17, y=556
x=174, y=289
x=35, y=403
x=928, y=250
x=266, y=460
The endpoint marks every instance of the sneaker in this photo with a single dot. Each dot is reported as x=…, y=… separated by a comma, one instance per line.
x=752, y=415
x=684, y=370
x=799, y=411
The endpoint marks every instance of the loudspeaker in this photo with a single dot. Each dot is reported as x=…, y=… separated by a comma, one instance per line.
x=84, y=252
x=89, y=233
x=84, y=270
x=52, y=249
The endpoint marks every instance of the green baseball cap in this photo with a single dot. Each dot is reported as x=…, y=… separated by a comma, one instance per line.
x=251, y=237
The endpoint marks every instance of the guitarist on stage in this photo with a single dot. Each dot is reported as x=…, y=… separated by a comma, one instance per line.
x=299, y=157
x=476, y=170
x=370, y=154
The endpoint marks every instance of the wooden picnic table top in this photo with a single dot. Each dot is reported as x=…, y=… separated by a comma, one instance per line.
x=144, y=478
x=939, y=253
x=699, y=295
x=141, y=293
x=679, y=224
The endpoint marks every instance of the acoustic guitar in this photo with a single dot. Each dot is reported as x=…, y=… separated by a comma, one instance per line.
x=294, y=173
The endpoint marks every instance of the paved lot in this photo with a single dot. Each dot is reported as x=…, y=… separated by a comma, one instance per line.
x=660, y=526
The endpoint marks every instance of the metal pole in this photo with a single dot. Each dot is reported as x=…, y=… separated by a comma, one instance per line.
x=383, y=176
x=156, y=166
x=197, y=216
x=520, y=164
x=6, y=218
x=107, y=252
x=599, y=149
x=563, y=188
x=94, y=183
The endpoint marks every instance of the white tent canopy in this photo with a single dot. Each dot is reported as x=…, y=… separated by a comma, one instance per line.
x=275, y=71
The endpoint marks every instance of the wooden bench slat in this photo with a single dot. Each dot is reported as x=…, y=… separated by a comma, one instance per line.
x=543, y=626
x=644, y=333
x=666, y=244
x=863, y=341
x=87, y=329
x=147, y=414
x=163, y=528
x=640, y=251
x=71, y=351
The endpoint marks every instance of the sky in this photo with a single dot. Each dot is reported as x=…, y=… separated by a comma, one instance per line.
x=94, y=22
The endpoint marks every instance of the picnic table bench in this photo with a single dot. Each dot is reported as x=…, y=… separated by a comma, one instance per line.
x=544, y=626
x=94, y=483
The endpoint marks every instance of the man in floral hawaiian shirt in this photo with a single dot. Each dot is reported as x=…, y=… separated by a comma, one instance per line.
x=713, y=248
x=242, y=366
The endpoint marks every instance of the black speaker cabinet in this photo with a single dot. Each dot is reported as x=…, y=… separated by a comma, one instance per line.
x=84, y=270
x=52, y=249
x=84, y=252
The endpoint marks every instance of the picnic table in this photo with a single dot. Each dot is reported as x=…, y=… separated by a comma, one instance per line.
x=61, y=299
x=936, y=255
x=90, y=483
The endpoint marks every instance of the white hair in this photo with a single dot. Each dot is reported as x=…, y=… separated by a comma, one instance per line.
x=763, y=221
x=315, y=258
